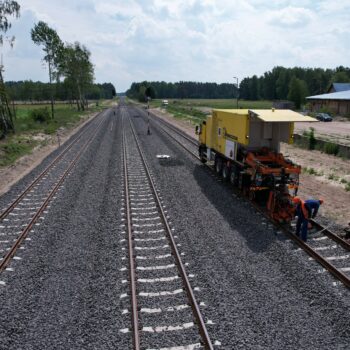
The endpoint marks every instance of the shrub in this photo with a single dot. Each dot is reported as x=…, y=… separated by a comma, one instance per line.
x=347, y=187
x=40, y=115
x=312, y=140
x=331, y=148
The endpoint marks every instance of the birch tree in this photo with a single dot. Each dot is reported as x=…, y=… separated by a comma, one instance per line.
x=8, y=8
x=42, y=34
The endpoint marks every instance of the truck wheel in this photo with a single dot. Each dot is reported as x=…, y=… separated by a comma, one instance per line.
x=225, y=172
x=218, y=165
x=233, y=176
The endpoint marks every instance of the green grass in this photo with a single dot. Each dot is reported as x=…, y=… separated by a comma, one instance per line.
x=65, y=116
x=14, y=148
x=216, y=103
x=23, y=142
x=312, y=171
x=192, y=109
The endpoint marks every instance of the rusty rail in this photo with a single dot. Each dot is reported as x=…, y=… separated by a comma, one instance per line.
x=133, y=290
x=195, y=307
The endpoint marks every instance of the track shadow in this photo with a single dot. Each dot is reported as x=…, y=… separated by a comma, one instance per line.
x=242, y=217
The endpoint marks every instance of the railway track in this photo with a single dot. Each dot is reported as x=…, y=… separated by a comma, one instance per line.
x=165, y=313
x=323, y=246
x=26, y=211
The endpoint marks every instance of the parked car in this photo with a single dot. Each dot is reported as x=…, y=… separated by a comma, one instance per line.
x=323, y=117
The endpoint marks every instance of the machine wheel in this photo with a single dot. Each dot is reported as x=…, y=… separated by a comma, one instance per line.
x=234, y=176
x=201, y=156
x=225, y=172
x=218, y=165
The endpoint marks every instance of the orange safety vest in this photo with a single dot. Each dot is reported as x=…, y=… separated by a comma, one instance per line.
x=304, y=210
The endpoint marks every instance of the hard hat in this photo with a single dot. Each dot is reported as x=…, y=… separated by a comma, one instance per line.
x=296, y=200
x=321, y=200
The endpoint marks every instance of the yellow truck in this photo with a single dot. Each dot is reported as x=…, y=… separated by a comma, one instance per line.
x=244, y=145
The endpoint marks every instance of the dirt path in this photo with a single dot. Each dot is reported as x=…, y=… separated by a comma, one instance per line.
x=11, y=174
x=337, y=199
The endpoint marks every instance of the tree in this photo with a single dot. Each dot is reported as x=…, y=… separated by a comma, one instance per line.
x=78, y=71
x=297, y=91
x=7, y=8
x=340, y=77
x=150, y=92
x=42, y=34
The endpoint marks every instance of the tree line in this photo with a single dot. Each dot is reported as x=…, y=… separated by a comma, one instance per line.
x=38, y=91
x=293, y=84
x=182, y=89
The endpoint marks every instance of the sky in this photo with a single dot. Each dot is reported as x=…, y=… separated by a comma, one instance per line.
x=191, y=40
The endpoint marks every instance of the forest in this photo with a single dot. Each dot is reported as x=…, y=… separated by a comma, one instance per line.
x=29, y=91
x=280, y=83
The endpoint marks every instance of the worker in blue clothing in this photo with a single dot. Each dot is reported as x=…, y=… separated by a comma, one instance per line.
x=305, y=210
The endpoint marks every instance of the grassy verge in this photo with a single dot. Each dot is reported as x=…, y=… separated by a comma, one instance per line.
x=216, y=103
x=196, y=110
x=27, y=129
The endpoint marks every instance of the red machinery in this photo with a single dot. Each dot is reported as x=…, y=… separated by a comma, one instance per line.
x=272, y=180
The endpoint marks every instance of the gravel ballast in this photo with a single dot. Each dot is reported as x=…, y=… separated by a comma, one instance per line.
x=64, y=292
x=260, y=291
x=69, y=288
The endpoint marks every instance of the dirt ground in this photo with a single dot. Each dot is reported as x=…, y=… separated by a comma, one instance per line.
x=11, y=174
x=336, y=198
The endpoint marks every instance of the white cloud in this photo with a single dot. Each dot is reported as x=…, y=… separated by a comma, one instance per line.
x=291, y=17
x=206, y=40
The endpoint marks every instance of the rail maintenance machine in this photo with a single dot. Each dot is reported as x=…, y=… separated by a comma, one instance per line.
x=245, y=148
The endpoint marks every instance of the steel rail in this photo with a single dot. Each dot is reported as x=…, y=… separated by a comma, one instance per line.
x=195, y=307
x=331, y=235
x=44, y=172
x=327, y=265
x=177, y=130
x=7, y=258
x=133, y=290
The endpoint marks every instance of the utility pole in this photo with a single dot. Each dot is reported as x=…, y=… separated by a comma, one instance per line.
x=237, y=90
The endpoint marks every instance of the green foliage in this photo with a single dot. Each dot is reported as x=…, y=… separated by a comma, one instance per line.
x=150, y=92
x=333, y=177
x=312, y=171
x=347, y=187
x=76, y=67
x=142, y=94
x=184, y=89
x=331, y=148
x=297, y=91
x=13, y=149
x=216, y=103
x=37, y=91
x=311, y=138
x=341, y=77
x=40, y=115
x=272, y=85
x=7, y=8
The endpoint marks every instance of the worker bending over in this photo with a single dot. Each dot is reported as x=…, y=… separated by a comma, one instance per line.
x=305, y=210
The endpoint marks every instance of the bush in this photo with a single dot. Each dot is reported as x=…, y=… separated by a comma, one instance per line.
x=40, y=115
x=311, y=139
x=331, y=148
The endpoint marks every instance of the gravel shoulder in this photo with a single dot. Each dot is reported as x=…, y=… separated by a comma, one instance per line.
x=260, y=291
